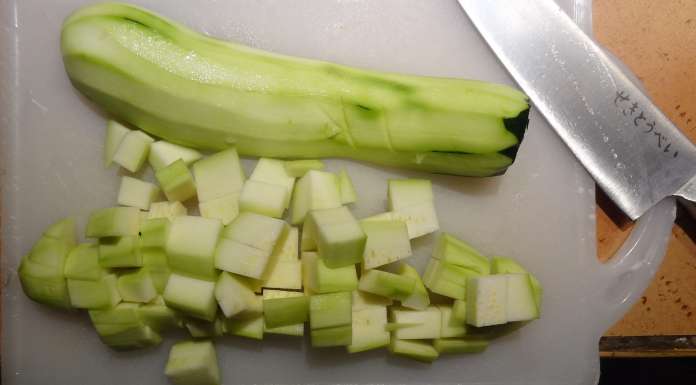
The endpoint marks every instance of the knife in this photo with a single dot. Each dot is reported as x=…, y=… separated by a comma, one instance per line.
x=631, y=149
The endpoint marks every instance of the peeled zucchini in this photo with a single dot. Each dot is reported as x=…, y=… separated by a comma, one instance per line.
x=204, y=93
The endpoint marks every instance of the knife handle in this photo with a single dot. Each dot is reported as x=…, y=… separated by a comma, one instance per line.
x=628, y=272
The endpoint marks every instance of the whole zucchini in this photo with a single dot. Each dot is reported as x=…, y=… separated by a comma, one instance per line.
x=205, y=93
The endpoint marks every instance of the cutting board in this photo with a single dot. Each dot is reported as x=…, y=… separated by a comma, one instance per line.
x=541, y=212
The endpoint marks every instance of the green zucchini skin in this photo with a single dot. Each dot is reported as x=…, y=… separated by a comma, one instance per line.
x=200, y=92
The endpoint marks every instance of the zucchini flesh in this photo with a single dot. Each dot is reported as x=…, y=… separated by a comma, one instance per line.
x=204, y=93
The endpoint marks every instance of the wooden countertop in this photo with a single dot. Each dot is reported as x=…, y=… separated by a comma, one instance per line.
x=657, y=40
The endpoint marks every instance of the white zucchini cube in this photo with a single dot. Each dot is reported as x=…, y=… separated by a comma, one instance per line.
x=486, y=300
x=272, y=171
x=169, y=210
x=162, y=154
x=193, y=362
x=225, y=208
x=387, y=242
x=263, y=198
x=136, y=193
x=408, y=192
x=521, y=303
x=133, y=150
x=115, y=132
x=417, y=324
x=316, y=190
x=218, y=175
x=191, y=245
x=233, y=294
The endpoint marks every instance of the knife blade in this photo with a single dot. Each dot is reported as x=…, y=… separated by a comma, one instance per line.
x=631, y=149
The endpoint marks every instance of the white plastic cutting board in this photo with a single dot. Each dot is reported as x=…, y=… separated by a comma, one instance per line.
x=540, y=212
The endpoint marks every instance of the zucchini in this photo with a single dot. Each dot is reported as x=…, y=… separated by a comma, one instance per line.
x=196, y=91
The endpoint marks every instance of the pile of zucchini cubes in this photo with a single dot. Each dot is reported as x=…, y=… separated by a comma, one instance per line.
x=239, y=269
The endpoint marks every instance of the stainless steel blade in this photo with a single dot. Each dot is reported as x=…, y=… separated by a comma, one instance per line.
x=628, y=145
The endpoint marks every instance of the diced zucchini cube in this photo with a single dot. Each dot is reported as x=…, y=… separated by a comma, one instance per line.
x=298, y=168
x=133, y=150
x=288, y=246
x=236, y=257
x=420, y=219
x=486, y=300
x=451, y=326
x=307, y=270
x=204, y=329
x=169, y=210
x=154, y=233
x=307, y=242
x=162, y=154
x=316, y=190
x=272, y=171
x=120, y=252
x=191, y=245
x=388, y=216
x=296, y=330
x=323, y=279
x=285, y=311
x=195, y=297
x=503, y=265
x=284, y=270
x=83, y=263
x=99, y=294
x=159, y=317
x=136, y=193
x=387, y=284
x=423, y=324
x=176, y=182
x=115, y=132
x=285, y=275
x=224, y=208
x=348, y=194
x=448, y=289
x=340, y=240
x=330, y=310
x=387, y=242
x=63, y=230
x=368, y=329
x=332, y=336
x=128, y=337
x=233, y=294
x=459, y=310
x=258, y=231
x=193, y=363
x=255, y=307
x=263, y=198
x=417, y=350
x=363, y=300
x=521, y=304
x=218, y=175
x=156, y=262
x=419, y=299
x=49, y=252
x=291, y=330
x=459, y=345
x=251, y=327
x=448, y=280
x=113, y=222
x=137, y=286
x=457, y=252
x=122, y=314
x=407, y=192
x=44, y=284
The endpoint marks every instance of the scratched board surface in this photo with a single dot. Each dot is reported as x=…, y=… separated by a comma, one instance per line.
x=540, y=212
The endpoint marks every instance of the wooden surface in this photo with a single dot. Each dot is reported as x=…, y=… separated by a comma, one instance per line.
x=657, y=40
